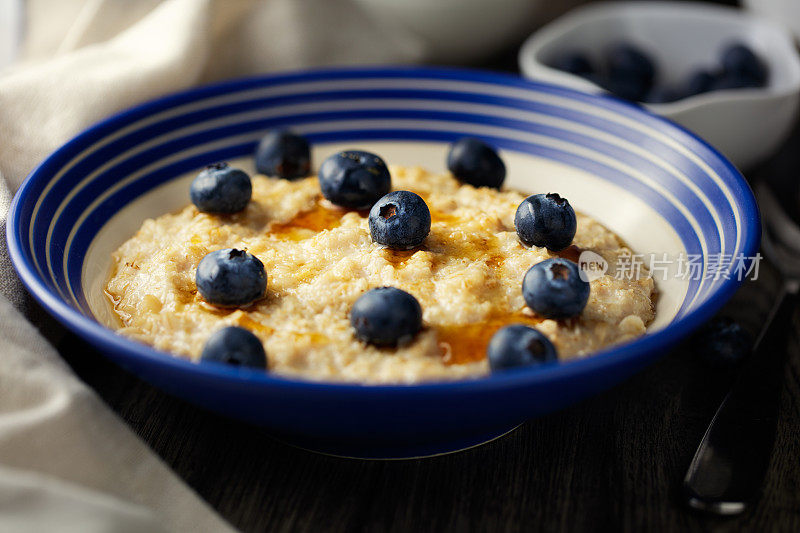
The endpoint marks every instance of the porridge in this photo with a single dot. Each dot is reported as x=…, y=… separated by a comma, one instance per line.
x=319, y=258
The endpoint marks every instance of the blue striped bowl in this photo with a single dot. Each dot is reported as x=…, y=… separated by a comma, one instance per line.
x=662, y=189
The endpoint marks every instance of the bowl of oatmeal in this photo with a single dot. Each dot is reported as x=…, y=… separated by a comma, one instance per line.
x=104, y=235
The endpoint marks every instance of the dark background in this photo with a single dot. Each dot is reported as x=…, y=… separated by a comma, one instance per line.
x=614, y=462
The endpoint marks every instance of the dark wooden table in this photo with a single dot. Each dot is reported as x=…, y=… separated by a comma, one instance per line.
x=613, y=462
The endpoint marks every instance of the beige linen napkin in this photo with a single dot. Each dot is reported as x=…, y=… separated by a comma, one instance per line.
x=67, y=463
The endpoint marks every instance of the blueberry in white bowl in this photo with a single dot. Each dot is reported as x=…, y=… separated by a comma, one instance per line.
x=630, y=71
x=625, y=59
x=234, y=346
x=517, y=346
x=555, y=288
x=681, y=38
x=221, y=189
x=230, y=278
x=740, y=63
x=624, y=69
x=574, y=62
x=699, y=82
x=546, y=220
x=475, y=162
x=662, y=95
x=354, y=179
x=284, y=154
x=386, y=316
x=400, y=220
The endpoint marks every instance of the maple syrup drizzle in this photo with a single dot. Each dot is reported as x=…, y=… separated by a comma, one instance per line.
x=571, y=252
x=467, y=343
x=316, y=219
x=441, y=216
x=398, y=257
x=253, y=325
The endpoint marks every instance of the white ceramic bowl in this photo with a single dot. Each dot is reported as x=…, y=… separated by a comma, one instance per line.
x=747, y=125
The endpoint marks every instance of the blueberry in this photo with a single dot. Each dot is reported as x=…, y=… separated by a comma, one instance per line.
x=598, y=79
x=574, y=62
x=732, y=81
x=700, y=82
x=400, y=220
x=221, y=189
x=546, y=220
x=631, y=72
x=386, y=316
x=475, y=162
x=741, y=64
x=519, y=345
x=354, y=179
x=231, y=278
x=662, y=95
x=632, y=89
x=235, y=346
x=284, y=154
x=555, y=289
x=628, y=60
x=722, y=342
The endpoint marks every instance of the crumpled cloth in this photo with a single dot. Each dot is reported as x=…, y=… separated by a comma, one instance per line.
x=67, y=463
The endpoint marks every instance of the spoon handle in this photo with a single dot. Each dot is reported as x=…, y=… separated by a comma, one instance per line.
x=729, y=466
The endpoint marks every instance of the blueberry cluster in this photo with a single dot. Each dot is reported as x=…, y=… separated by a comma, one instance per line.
x=630, y=73
x=553, y=289
x=401, y=220
x=388, y=316
x=232, y=277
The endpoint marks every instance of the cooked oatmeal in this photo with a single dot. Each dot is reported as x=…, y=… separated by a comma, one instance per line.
x=320, y=258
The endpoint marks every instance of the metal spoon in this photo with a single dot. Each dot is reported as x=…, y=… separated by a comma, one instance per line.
x=728, y=468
